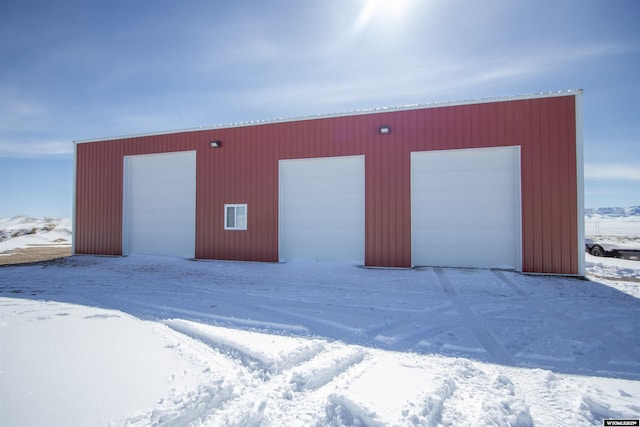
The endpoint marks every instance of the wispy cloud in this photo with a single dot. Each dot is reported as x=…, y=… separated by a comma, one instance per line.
x=508, y=65
x=19, y=110
x=409, y=79
x=35, y=148
x=612, y=171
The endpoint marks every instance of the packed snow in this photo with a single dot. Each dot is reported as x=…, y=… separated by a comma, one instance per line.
x=140, y=340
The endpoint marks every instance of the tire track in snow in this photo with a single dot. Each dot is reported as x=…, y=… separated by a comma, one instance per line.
x=377, y=333
x=483, y=396
x=419, y=395
x=187, y=409
x=612, y=345
x=574, y=401
x=220, y=379
x=152, y=310
x=251, y=349
x=324, y=325
x=293, y=368
x=325, y=367
x=552, y=398
x=394, y=332
x=475, y=323
x=280, y=395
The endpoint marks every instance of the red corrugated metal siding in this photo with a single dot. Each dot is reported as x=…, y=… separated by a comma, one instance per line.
x=245, y=170
x=99, y=203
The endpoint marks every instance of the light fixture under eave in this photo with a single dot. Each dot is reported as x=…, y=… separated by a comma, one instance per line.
x=215, y=144
x=384, y=130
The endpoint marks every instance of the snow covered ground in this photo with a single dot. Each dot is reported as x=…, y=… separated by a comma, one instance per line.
x=622, y=222
x=164, y=341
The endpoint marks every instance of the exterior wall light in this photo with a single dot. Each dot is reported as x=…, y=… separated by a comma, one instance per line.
x=385, y=130
x=215, y=144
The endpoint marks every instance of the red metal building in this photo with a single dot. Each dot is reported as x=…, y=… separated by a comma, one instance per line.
x=492, y=183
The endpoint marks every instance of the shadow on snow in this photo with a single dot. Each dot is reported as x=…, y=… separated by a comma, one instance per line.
x=561, y=324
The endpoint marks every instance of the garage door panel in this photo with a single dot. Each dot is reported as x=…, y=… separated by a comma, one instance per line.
x=489, y=219
x=465, y=203
x=457, y=208
x=463, y=215
x=148, y=189
x=312, y=170
x=144, y=235
x=318, y=185
x=329, y=221
x=317, y=167
x=470, y=159
x=303, y=188
x=322, y=202
x=310, y=251
x=322, y=208
x=466, y=237
x=160, y=204
x=464, y=180
x=148, y=174
x=423, y=200
x=480, y=260
x=149, y=204
x=306, y=234
x=162, y=220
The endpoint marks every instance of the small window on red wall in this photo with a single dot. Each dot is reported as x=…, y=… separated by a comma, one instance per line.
x=235, y=217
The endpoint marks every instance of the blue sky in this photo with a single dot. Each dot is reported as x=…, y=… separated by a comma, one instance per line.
x=73, y=70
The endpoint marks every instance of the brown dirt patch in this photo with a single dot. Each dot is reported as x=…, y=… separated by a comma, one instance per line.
x=617, y=279
x=34, y=254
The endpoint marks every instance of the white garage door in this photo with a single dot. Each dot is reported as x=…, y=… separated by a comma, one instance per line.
x=466, y=208
x=159, y=204
x=322, y=209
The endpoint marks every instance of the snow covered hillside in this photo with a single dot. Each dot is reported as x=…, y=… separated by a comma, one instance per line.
x=613, y=212
x=616, y=223
x=22, y=231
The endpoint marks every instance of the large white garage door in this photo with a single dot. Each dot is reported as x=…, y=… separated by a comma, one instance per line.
x=159, y=204
x=322, y=209
x=466, y=208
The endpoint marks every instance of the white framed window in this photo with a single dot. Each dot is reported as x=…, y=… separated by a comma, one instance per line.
x=235, y=217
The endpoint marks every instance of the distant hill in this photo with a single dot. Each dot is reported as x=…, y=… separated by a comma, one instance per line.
x=23, y=231
x=613, y=212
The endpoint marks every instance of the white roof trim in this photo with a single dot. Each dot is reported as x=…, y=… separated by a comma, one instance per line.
x=345, y=114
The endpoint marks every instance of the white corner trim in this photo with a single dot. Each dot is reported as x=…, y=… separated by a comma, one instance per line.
x=73, y=201
x=580, y=182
